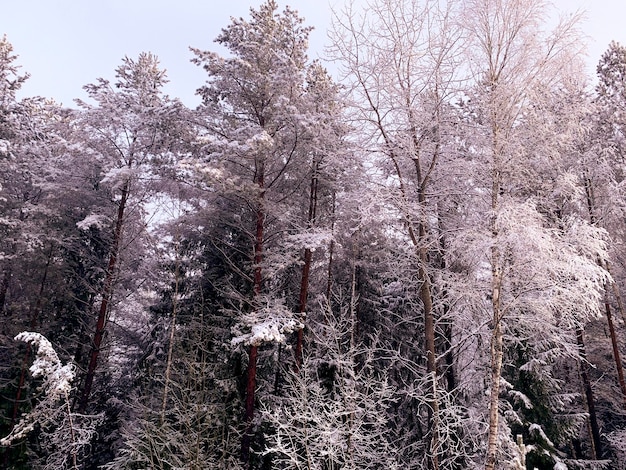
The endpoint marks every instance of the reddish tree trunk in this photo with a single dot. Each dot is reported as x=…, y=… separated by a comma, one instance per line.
x=258, y=252
x=306, y=268
x=257, y=288
x=107, y=291
x=250, y=389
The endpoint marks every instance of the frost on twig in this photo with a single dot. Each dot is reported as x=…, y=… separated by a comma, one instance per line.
x=63, y=433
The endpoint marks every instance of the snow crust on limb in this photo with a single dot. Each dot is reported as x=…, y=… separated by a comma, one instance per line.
x=311, y=239
x=271, y=330
x=93, y=220
x=537, y=429
x=117, y=177
x=267, y=325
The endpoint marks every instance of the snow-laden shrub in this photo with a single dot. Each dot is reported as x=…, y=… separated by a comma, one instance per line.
x=63, y=433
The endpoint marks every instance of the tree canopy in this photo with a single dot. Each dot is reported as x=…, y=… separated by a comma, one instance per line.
x=415, y=265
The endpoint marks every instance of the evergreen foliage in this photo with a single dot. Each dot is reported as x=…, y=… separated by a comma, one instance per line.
x=416, y=267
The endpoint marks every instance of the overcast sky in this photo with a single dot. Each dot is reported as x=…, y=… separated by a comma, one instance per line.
x=65, y=44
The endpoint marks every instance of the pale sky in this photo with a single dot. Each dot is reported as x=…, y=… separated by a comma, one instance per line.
x=65, y=44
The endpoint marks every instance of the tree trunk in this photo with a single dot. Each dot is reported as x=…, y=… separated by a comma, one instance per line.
x=331, y=251
x=426, y=296
x=4, y=286
x=496, y=369
x=306, y=268
x=170, y=347
x=431, y=360
x=445, y=338
x=249, y=413
x=617, y=294
x=616, y=353
x=107, y=292
x=350, y=386
x=496, y=354
x=304, y=288
x=609, y=317
x=496, y=343
x=257, y=288
x=596, y=445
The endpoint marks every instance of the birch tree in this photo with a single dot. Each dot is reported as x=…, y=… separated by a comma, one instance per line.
x=513, y=57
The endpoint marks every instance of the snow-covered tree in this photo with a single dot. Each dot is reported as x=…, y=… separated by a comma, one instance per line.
x=400, y=59
x=435, y=242
x=334, y=413
x=531, y=266
x=37, y=227
x=261, y=147
x=128, y=130
x=16, y=185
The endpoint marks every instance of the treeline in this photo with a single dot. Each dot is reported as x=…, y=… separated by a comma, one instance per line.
x=417, y=266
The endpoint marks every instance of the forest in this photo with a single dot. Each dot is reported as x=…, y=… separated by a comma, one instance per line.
x=415, y=262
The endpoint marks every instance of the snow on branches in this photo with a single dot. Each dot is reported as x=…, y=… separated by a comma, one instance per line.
x=58, y=378
x=62, y=433
x=269, y=324
x=57, y=382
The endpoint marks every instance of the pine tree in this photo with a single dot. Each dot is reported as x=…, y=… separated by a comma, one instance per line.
x=131, y=128
x=261, y=147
